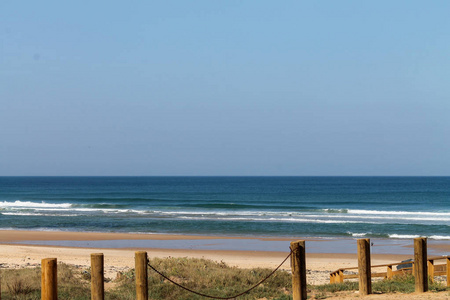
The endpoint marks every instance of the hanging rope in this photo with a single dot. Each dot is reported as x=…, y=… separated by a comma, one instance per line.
x=216, y=297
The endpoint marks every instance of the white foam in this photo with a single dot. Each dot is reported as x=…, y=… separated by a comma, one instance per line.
x=439, y=237
x=388, y=212
x=21, y=214
x=29, y=204
x=357, y=234
x=403, y=236
x=36, y=214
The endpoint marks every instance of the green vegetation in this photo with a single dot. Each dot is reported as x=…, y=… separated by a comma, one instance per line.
x=25, y=284
x=205, y=276
x=403, y=284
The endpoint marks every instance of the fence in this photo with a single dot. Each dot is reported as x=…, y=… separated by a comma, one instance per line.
x=422, y=267
x=339, y=276
x=49, y=282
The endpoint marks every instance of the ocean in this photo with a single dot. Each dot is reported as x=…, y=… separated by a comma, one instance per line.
x=373, y=207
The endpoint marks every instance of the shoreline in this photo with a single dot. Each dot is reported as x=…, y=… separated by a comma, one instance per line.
x=117, y=240
x=320, y=262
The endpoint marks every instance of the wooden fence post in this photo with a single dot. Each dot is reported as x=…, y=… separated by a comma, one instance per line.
x=341, y=276
x=298, y=266
x=448, y=271
x=364, y=267
x=431, y=270
x=97, y=277
x=141, y=275
x=49, y=280
x=389, y=272
x=420, y=264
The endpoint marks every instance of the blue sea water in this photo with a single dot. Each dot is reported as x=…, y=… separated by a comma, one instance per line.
x=380, y=207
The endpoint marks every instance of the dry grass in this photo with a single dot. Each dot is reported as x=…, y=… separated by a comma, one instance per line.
x=205, y=276
x=403, y=284
x=202, y=275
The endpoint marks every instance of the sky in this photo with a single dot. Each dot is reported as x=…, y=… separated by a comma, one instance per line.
x=307, y=88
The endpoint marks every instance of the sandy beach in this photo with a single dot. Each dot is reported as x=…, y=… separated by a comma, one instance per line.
x=319, y=265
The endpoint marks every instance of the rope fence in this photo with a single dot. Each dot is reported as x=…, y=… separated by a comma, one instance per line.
x=218, y=297
x=422, y=265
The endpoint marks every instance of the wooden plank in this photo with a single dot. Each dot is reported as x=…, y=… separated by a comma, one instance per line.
x=402, y=272
x=379, y=274
x=440, y=268
x=439, y=257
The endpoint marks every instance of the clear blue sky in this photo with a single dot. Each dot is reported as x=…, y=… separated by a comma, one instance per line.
x=224, y=87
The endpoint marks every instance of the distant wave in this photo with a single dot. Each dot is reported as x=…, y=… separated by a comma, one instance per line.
x=413, y=236
x=439, y=237
x=269, y=220
x=224, y=212
x=388, y=212
x=36, y=214
x=100, y=205
x=29, y=204
x=335, y=211
x=354, y=234
x=397, y=236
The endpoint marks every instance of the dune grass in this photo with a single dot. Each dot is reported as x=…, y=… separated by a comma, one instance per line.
x=205, y=276
x=403, y=284
x=25, y=284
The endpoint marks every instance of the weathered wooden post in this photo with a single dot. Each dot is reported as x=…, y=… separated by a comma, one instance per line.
x=420, y=264
x=141, y=275
x=341, y=276
x=448, y=271
x=364, y=267
x=97, y=277
x=49, y=280
x=431, y=270
x=389, y=272
x=298, y=266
